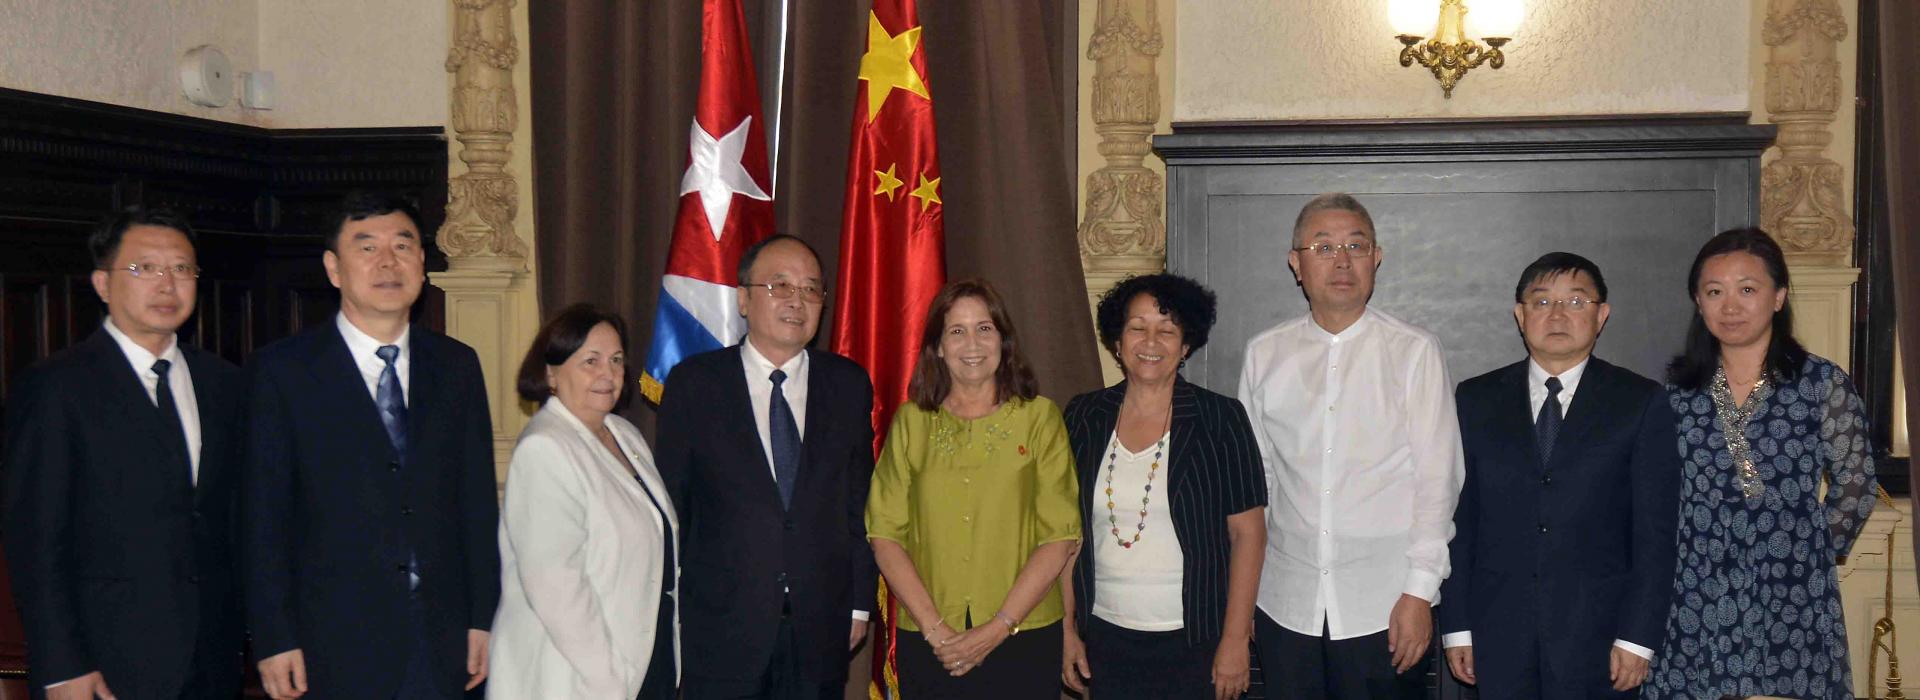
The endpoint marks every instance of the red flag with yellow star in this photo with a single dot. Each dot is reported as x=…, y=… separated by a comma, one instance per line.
x=892, y=241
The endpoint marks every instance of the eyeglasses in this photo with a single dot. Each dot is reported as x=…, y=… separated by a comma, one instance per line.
x=1543, y=304
x=783, y=290
x=150, y=271
x=1327, y=250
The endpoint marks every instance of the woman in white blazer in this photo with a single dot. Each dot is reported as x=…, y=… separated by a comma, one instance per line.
x=586, y=533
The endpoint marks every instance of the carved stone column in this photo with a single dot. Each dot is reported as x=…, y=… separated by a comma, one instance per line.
x=1801, y=201
x=487, y=271
x=1124, y=232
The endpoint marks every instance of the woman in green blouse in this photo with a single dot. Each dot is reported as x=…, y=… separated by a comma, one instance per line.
x=974, y=510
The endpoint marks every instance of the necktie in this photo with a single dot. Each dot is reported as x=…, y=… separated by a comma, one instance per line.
x=786, y=440
x=393, y=415
x=170, y=415
x=1546, y=426
x=391, y=401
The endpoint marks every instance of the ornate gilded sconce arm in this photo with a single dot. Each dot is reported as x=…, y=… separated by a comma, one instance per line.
x=1450, y=62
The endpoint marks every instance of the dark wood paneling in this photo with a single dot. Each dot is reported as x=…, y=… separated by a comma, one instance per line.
x=257, y=197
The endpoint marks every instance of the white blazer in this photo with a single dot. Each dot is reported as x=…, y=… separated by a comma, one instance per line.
x=580, y=561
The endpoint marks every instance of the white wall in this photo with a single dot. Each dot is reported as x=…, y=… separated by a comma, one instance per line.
x=1333, y=59
x=337, y=63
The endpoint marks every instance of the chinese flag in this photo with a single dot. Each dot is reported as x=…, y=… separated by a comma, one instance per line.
x=892, y=244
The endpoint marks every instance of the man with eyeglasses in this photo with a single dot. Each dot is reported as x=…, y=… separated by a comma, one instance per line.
x=767, y=448
x=1564, y=556
x=1354, y=416
x=121, y=468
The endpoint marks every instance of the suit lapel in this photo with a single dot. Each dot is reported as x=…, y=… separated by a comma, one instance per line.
x=213, y=426
x=1186, y=413
x=424, y=388
x=1514, y=411
x=126, y=396
x=746, y=427
x=1101, y=421
x=338, y=377
x=1588, y=404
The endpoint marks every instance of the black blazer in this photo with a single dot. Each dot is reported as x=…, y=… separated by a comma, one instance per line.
x=1563, y=558
x=121, y=563
x=1214, y=471
x=740, y=547
x=330, y=512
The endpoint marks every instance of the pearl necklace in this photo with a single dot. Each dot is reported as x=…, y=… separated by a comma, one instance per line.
x=1113, y=460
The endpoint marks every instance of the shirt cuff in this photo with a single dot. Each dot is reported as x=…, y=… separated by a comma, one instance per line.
x=862, y=615
x=1422, y=585
x=1456, y=639
x=1634, y=649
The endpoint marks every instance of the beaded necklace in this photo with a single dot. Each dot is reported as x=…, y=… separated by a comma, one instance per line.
x=1113, y=461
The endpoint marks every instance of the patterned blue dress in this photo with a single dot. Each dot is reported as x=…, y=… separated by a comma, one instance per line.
x=1756, y=607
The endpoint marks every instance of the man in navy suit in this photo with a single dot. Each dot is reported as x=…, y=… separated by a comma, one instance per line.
x=120, y=488
x=767, y=448
x=369, y=511
x=1563, y=556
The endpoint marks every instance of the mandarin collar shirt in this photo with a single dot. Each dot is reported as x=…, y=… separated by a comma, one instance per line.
x=179, y=381
x=1361, y=447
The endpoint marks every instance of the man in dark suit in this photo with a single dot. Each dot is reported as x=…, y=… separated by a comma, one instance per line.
x=767, y=448
x=1563, y=558
x=120, y=487
x=369, y=508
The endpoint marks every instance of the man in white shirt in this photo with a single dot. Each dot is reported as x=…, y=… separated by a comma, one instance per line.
x=1354, y=415
x=767, y=448
x=121, y=461
x=1564, y=562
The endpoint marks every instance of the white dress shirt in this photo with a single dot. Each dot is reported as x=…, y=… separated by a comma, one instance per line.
x=365, y=352
x=1140, y=585
x=1537, y=397
x=179, y=381
x=1361, y=448
x=759, y=371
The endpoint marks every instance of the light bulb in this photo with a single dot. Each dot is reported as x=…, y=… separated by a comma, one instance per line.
x=1413, y=17
x=1493, y=18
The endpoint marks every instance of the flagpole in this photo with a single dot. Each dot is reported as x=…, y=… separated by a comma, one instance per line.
x=779, y=99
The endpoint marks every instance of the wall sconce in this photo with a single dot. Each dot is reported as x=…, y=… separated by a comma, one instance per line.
x=1449, y=53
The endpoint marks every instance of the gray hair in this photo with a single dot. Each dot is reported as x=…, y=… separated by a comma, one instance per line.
x=1331, y=201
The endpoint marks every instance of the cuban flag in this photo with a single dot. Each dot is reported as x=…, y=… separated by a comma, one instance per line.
x=725, y=205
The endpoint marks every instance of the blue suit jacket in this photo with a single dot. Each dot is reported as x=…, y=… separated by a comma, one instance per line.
x=331, y=512
x=1554, y=561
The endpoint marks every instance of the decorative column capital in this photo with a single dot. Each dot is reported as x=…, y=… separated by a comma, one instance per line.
x=482, y=202
x=1801, y=190
x=1124, y=198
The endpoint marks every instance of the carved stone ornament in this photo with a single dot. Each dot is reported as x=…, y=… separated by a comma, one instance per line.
x=1124, y=198
x=482, y=203
x=1800, y=191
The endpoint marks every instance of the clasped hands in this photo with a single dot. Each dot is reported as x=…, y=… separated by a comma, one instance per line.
x=960, y=652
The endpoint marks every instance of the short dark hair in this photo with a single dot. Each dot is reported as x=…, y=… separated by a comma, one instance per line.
x=1188, y=303
x=363, y=204
x=104, y=241
x=931, y=382
x=753, y=253
x=1555, y=264
x=1693, y=368
x=558, y=340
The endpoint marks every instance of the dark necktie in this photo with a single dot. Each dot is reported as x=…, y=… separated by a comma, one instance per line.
x=393, y=415
x=170, y=415
x=785, y=434
x=391, y=401
x=1546, y=426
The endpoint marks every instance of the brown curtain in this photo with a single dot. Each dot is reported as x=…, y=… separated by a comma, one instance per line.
x=613, y=87
x=1900, y=130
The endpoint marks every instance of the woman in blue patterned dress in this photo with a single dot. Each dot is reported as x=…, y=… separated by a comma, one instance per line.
x=1756, y=608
